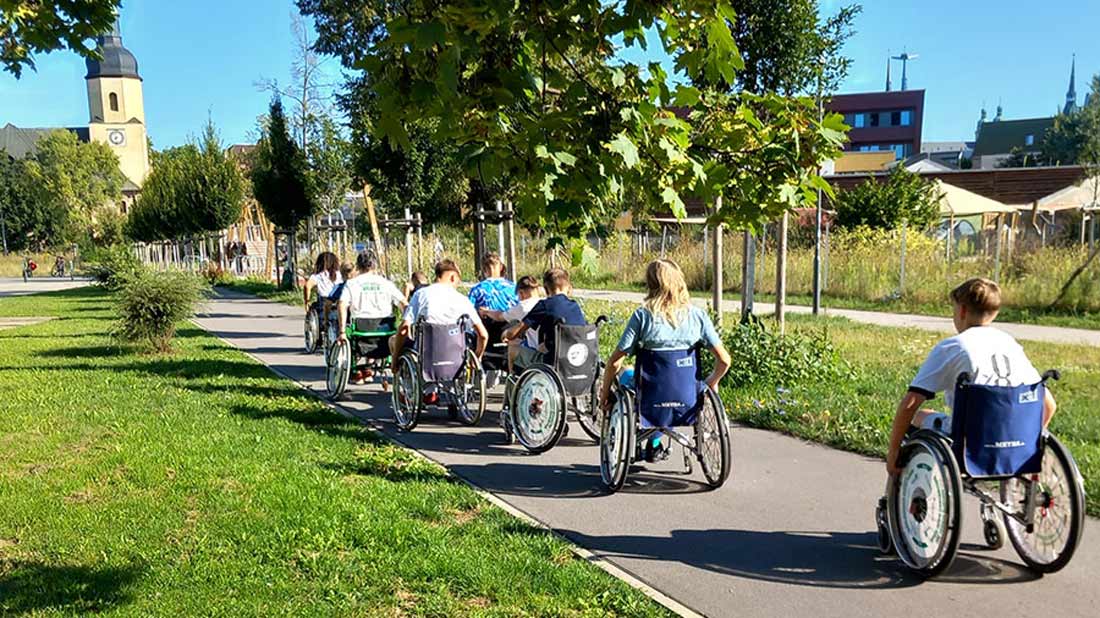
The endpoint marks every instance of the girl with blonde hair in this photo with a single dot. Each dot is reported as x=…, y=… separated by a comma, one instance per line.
x=666, y=321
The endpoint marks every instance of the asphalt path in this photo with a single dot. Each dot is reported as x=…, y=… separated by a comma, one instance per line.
x=792, y=531
x=1028, y=332
x=15, y=286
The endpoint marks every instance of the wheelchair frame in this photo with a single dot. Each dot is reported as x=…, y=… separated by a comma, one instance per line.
x=513, y=387
x=1018, y=518
x=338, y=377
x=625, y=417
x=408, y=401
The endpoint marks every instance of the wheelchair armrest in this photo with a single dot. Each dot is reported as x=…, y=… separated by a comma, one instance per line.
x=964, y=379
x=601, y=320
x=1051, y=374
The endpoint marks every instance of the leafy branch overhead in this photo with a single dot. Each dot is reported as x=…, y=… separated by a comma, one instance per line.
x=533, y=92
x=29, y=27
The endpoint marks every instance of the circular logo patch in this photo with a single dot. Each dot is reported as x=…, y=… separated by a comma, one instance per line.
x=577, y=354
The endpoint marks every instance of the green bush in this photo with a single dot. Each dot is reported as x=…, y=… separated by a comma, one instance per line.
x=113, y=266
x=151, y=305
x=763, y=357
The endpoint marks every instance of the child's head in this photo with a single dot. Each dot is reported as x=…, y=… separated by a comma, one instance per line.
x=977, y=302
x=492, y=266
x=667, y=294
x=418, y=279
x=345, y=270
x=446, y=271
x=527, y=287
x=366, y=262
x=556, y=281
x=327, y=262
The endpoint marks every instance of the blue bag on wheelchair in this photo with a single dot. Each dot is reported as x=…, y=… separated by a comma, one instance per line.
x=443, y=351
x=668, y=387
x=997, y=430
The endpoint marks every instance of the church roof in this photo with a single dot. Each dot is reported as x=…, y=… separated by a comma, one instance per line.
x=1001, y=136
x=117, y=61
x=20, y=143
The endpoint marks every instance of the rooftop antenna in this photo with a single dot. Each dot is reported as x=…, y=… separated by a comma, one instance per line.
x=905, y=57
x=887, y=70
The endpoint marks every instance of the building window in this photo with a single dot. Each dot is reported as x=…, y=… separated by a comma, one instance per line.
x=895, y=119
x=113, y=101
x=874, y=119
x=1029, y=140
x=859, y=121
x=906, y=118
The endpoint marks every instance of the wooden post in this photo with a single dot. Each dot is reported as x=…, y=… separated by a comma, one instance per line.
x=781, y=274
x=748, y=274
x=510, y=235
x=997, y=255
x=901, y=268
x=408, y=242
x=419, y=242
x=500, y=231
x=716, y=287
x=374, y=228
x=706, y=230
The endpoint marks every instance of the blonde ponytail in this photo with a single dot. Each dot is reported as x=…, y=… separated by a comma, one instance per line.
x=667, y=296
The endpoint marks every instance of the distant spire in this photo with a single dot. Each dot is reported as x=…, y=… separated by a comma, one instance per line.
x=981, y=121
x=1000, y=112
x=1071, y=94
x=887, y=71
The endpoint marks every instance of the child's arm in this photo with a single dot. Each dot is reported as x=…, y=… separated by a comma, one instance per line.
x=903, y=418
x=1049, y=408
x=610, y=373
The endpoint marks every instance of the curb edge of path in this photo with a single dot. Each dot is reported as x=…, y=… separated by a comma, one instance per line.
x=587, y=555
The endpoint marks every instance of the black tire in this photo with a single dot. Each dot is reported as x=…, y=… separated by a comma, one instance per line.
x=618, y=431
x=993, y=532
x=406, y=391
x=882, y=524
x=712, y=440
x=338, y=364
x=1064, y=517
x=311, y=330
x=470, y=390
x=538, y=409
x=330, y=345
x=930, y=485
x=589, y=414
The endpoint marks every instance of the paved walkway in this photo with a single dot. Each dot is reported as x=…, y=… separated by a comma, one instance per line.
x=790, y=533
x=15, y=286
x=1029, y=332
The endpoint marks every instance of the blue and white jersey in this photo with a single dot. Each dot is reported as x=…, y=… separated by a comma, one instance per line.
x=496, y=294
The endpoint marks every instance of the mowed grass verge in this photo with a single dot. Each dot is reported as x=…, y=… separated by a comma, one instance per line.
x=201, y=484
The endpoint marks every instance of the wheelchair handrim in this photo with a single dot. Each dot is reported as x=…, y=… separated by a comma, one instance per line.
x=1057, y=523
x=712, y=440
x=471, y=390
x=615, y=444
x=537, y=409
x=406, y=393
x=311, y=327
x=924, y=509
x=338, y=370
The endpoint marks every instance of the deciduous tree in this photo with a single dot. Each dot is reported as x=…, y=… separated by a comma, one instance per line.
x=29, y=27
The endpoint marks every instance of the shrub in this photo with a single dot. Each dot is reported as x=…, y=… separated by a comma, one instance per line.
x=903, y=196
x=763, y=357
x=113, y=266
x=151, y=305
x=215, y=275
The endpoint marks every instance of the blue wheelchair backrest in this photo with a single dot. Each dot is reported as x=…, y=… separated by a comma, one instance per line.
x=577, y=359
x=668, y=387
x=996, y=431
x=442, y=349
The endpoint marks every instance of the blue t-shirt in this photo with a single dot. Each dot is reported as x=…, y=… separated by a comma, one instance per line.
x=546, y=314
x=646, y=331
x=497, y=294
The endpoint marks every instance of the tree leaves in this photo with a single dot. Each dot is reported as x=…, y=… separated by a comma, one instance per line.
x=624, y=147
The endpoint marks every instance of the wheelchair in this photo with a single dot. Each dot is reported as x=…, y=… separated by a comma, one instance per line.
x=367, y=340
x=665, y=392
x=538, y=399
x=1027, y=482
x=315, y=327
x=495, y=359
x=440, y=362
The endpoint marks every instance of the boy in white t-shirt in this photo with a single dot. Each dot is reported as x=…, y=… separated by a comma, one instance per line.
x=527, y=290
x=439, y=303
x=368, y=295
x=990, y=355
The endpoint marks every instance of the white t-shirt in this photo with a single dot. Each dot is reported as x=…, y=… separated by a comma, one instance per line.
x=440, y=303
x=519, y=311
x=371, y=296
x=324, y=284
x=991, y=356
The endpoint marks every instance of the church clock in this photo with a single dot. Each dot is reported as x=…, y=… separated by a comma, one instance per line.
x=117, y=137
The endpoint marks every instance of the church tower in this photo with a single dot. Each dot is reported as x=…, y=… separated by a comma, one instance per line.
x=1071, y=92
x=117, y=106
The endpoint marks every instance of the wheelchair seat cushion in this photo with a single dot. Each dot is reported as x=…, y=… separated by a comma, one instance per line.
x=668, y=387
x=442, y=351
x=577, y=357
x=997, y=430
x=374, y=326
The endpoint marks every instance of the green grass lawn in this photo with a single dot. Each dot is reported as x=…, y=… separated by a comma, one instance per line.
x=200, y=483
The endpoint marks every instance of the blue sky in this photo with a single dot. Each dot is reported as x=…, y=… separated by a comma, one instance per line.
x=202, y=57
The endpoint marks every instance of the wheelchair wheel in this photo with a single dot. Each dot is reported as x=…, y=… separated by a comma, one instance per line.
x=330, y=344
x=406, y=391
x=312, y=330
x=470, y=391
x=538, y=409
x=338, y=369
x=588, y=408
x=618, y=431
x=1059, y=511
x=712, y=440
x=924, y=505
